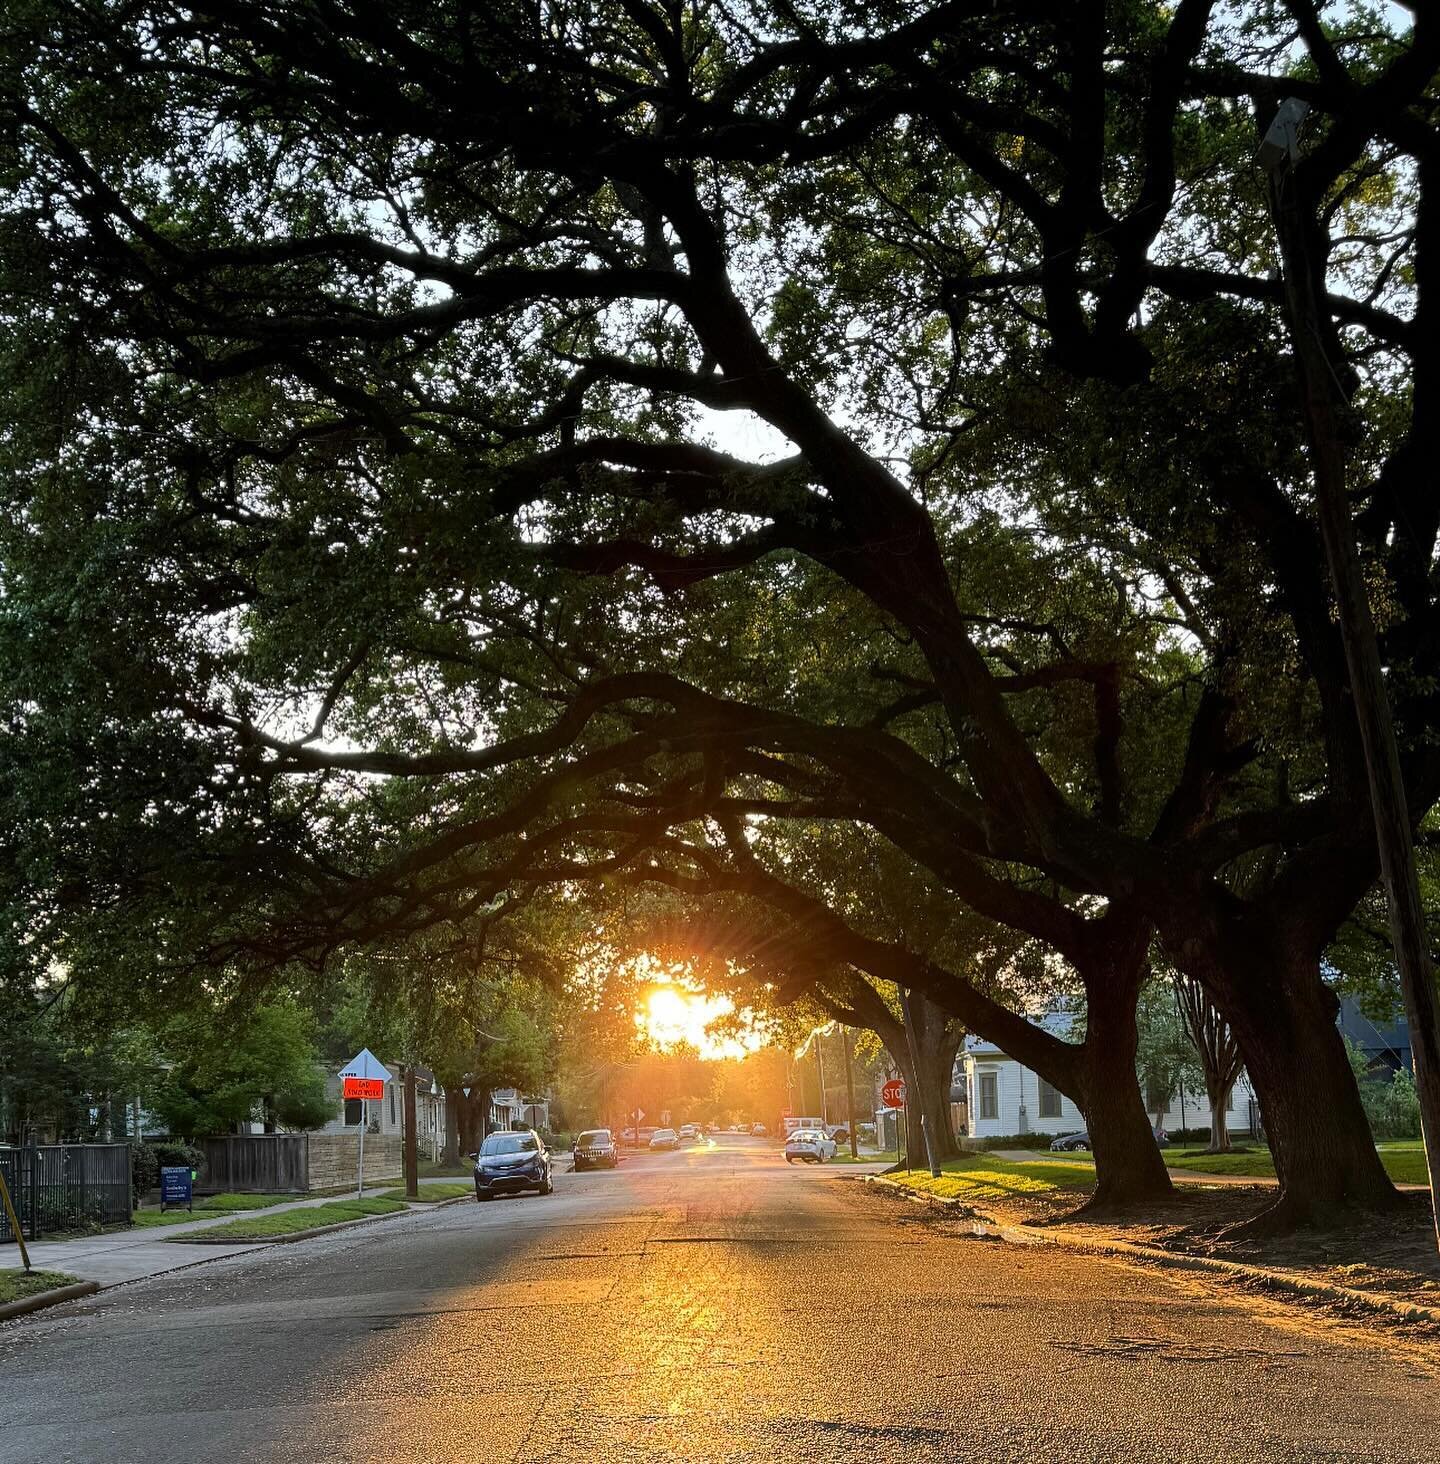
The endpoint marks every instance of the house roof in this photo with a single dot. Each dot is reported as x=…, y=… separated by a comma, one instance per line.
x=1057, y=1024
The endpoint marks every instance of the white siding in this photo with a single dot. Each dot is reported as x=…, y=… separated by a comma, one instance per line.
x=1015, y=1086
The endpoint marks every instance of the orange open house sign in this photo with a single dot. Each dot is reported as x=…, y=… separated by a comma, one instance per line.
x=364, y=1088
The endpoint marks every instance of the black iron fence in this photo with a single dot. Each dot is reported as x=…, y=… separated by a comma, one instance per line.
x=66, y=1187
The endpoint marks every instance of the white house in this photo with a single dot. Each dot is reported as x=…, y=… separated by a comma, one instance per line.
x=1005, y=1097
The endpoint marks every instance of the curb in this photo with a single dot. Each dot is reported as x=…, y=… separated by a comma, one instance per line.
x=1257, y=1276
x=42, y=1299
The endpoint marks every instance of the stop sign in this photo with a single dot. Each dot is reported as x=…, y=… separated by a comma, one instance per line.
x=893, y=1093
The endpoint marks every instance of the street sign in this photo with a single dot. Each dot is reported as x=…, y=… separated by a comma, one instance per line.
x=364, y=1088
x=365, y=1065
x=893, y=1093
x=176, y=1187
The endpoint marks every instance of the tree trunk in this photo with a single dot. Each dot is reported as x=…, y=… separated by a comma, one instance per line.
x=1219, y=1124
x=1129, y=1167
x=1283, y=1015
x=450, y=1159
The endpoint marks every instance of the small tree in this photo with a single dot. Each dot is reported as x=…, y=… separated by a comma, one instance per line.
x=222, y=1076
x=1219, y=1053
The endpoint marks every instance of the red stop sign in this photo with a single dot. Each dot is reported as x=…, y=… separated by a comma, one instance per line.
x=893, y=1093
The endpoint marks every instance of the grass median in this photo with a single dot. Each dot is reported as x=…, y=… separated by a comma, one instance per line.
x=431, y=1193
x=983, y=1177
x=290, y=1222
x=17, y=1285
x=207, y=1207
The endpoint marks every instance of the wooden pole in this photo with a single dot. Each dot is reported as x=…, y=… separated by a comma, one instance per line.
x=1323, y=402
x=14, y=1220
x=410, y=1141
x=848, y=1042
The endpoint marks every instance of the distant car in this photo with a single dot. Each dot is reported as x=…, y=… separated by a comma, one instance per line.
x=759, y=1130
x=510, y=1162
x=839, y=1132
x=664, y=1139
x=595, y=1149
x=689, y=1132
x=813, y=1145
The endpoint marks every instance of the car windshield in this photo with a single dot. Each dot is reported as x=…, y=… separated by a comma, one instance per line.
x=595, y=1136
x=510, y=1144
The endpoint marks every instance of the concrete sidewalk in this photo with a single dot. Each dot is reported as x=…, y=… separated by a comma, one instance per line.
x=133, y=1255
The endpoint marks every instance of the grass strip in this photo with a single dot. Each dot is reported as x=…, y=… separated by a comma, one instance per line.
x=980, y=1176
x=207, y=1208
x=17, y=1285
x=430, y=1193
x=290, y=1222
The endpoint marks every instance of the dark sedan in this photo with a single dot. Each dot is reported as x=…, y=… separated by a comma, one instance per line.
x=509, y=1163
x=595, y=1149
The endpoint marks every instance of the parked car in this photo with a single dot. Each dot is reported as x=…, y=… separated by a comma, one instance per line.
x=1068, y=1143
x=595, y=1149
x=839, y=1132
x=759, y=1130
x=664, y=1139
x=813, y=1145
x=689, y=1132
x=510, y=1162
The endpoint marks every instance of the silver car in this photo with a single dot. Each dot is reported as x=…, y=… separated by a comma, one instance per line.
x=814, y=1146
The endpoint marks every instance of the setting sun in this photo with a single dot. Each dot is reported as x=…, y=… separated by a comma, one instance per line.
x=673, y=1015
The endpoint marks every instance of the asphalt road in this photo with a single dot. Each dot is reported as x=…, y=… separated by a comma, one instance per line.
x=711, y=1304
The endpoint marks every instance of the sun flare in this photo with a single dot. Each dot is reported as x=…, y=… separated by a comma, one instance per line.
x=673, y=1015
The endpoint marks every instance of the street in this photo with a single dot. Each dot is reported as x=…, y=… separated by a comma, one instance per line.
x=708, y=1304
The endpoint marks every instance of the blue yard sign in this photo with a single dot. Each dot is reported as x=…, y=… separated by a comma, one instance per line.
x=176, y=1187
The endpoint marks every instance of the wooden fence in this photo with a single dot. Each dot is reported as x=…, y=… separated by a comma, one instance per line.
x=296, y=1163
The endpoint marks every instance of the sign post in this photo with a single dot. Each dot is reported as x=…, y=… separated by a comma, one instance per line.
x=892, y=1095
x=363, y=1077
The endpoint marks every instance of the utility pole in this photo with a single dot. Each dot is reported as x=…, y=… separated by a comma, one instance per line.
x=910, y=1098
x=849, y=1045
x=411, y=1144
x=1325, y=403
x=820, y=1074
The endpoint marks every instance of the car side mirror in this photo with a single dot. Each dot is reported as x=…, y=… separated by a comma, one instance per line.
x=472, y=1156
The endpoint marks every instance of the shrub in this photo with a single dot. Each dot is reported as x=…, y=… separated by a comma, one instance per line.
x=1014, y=1141
x=147, y=1160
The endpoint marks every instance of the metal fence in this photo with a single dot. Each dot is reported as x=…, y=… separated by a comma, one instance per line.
x=67, y=1187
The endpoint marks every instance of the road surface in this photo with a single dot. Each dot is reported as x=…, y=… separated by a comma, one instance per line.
x=713, y=1305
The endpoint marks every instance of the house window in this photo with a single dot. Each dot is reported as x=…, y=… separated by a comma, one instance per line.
x=1049, y=1100
x=1230, y=1100
x=989, y=1096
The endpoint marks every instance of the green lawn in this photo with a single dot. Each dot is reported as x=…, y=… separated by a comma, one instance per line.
x=843, y=1157
x=430, y=1193
x=981, y=1176
x=430, y=1170
x=207, y=1207
x=16, y=1285
x=1404, y=1161
x=291, y=1222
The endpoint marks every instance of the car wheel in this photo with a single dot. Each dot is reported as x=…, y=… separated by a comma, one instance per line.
x=789, y=1158
x=548, y=1188
x=481, y=1199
